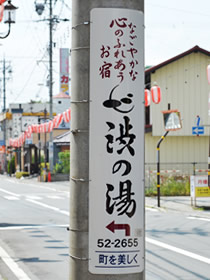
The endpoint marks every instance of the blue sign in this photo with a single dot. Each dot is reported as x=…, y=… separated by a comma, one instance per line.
x=198, y=121
x=197, y=130
x=2, y=143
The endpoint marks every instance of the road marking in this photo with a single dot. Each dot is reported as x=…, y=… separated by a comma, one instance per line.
x=10, y=193
x=8, y=197
x=18, y=272
x=49, y=207
x=32, y=226
x=198, y=218
x=33, y=197
x=55, y=197
x=178, y=250
x=151, y=209
x=48, y=188
x=12, y=181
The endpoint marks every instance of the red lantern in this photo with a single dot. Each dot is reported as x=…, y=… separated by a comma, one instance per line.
x=208, y=73
x=147, y=97
x=156, y=94
x=1, y=12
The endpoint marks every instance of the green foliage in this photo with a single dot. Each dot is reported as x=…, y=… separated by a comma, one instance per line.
x=63, y=165
x=171, y=186
x=42, y=158
x=35, y=101
x=21, y=174
x=11, y=166
x=42, y=167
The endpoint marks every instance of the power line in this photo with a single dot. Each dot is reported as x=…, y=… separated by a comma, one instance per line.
x=26, y=83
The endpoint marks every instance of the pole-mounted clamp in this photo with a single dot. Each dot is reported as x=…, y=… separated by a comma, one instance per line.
x=79, y=48
x=79, y=179
x=74, y=131
x=80, y=101
x=77, y=258
x=79, y=24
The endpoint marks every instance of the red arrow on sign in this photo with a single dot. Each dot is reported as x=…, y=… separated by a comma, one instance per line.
x=112, y=227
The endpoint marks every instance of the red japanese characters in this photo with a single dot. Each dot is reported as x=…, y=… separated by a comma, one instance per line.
x=120, y=58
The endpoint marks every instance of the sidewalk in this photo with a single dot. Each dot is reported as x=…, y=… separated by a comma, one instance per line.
x=181, y=203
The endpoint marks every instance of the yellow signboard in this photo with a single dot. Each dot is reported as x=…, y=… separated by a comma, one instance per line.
x=202, y=191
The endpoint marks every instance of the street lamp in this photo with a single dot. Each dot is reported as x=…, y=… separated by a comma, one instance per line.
x=9, y=16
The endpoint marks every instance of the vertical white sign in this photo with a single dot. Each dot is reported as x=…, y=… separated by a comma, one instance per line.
x=64, y=70
x=192, y=186
x=27, y=121
x=116, y=161
x=16, y=124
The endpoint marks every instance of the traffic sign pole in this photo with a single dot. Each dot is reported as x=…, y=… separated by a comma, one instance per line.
x=80, y=182
x=158, y=167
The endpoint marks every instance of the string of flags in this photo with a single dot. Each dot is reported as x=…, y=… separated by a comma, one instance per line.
x=40, y=128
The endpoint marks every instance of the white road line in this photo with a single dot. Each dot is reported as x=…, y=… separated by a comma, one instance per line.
x=198, y=218
x=55, y=197
x=49, y=207
x=151, y=209
x=178, y=250
x=33, y=197
x=30, y=227
x=18, y=272
x=12, y=181
x=48, y=188
x=10, y=193
x=9, y=197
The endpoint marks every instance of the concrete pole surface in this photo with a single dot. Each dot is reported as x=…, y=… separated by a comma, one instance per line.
x=79, y=182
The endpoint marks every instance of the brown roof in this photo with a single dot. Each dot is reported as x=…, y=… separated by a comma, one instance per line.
x=61, y=95
x=194, y=49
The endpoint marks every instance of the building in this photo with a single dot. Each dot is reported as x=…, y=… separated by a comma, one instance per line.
x=15, y=121
x=61, y=144
x=184, y=86
x=61, y=102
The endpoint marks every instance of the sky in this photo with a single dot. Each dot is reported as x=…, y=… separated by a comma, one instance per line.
x=171, y=27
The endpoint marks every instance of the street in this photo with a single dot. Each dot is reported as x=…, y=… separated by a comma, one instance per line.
x=177, y=246
x=34, y=239
x=34, y=218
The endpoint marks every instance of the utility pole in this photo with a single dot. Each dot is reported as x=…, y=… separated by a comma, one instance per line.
x=4, y=86
x=4, y=110
x=80, y=179
x=45, y=148
x=39, y=9
x=51, y=81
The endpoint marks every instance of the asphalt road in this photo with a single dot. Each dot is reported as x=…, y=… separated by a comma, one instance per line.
x=34, y=239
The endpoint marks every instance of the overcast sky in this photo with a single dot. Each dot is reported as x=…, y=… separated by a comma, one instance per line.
x=171, y=27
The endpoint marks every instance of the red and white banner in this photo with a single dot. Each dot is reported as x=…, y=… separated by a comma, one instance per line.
x=41, y=128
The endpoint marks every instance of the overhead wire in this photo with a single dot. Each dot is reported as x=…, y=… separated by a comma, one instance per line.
x=26, y=83
x=37, y=45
